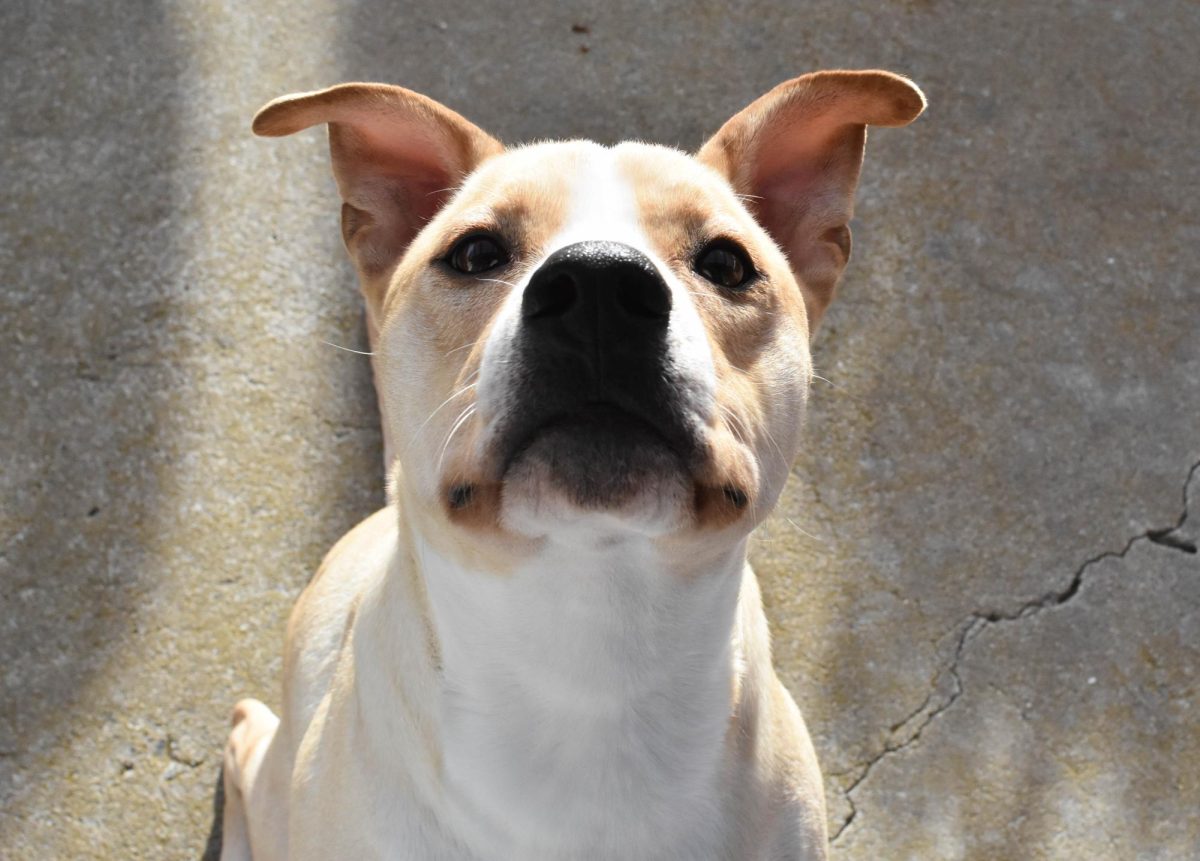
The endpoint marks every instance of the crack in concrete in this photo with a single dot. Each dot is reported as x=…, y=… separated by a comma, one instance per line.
x=974, y=623
x=1169, y=538
x=895, y=744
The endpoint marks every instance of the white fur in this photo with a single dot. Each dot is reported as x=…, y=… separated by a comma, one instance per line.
x=584, y=702
x=603, y=205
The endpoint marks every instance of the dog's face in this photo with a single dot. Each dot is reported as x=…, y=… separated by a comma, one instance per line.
x=571, y=336
x=611, y=335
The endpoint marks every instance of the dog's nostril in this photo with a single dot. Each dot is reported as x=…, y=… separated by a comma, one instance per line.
x=639, y=298
x=552, y=297
x=588, y=294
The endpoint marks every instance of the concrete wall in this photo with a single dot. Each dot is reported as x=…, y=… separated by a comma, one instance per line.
x=997, y=649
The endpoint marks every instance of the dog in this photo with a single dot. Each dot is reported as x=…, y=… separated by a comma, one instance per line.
x=592, y=366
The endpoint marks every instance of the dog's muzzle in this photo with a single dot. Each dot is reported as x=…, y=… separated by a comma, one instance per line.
x=595, y=392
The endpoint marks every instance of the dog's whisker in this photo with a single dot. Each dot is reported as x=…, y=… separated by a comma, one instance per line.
x=730, y=420
x=804, y=532
x=707, y=296
x=466, y=346
x=501, y=281
x=783, y=461
x=346, y=349
x=737, y=426
x=457, y=393
x=735, y=422
x=462, y=419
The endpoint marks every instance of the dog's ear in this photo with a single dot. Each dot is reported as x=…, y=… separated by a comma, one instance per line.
x=795, y=154
x=397, y=157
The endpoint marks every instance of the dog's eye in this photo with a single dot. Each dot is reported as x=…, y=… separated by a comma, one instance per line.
x=725, y=265
x=476, y=254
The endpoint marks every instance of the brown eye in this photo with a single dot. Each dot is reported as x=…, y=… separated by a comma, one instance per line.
x=476, y=254
x=725, y=265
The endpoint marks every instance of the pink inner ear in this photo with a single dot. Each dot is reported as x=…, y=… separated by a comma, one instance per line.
x=395, y=177
x=804, y=183
x=429, y=198
x=802, y=202
x=806, y=227
x=401, y=156
x=793, y=195
x=813, y=165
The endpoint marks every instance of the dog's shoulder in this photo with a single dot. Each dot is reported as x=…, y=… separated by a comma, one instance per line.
x=327, y=608
x=772, y=743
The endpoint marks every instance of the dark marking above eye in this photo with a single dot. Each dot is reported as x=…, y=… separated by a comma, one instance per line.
x=477, y=253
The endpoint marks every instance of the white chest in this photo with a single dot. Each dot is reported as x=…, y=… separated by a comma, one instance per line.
x=584, y=704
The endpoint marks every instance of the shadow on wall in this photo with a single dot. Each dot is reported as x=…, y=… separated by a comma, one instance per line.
x=165, y=502
x=91, y=353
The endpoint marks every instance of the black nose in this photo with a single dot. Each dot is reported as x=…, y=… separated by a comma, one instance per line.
x=594, y=297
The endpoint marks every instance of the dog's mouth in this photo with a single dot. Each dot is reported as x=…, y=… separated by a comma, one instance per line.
x=599, y=454
x=600, y=458
x=647, y=467
x=592, y=420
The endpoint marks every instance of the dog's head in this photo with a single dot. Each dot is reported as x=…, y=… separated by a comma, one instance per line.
x=574, y=336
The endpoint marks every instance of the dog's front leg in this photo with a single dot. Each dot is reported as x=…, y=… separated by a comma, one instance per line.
x=254, y=824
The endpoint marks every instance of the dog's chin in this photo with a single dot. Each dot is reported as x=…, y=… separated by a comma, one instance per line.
x=598, y=470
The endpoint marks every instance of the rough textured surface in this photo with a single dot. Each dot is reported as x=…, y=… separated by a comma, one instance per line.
x=973, y=597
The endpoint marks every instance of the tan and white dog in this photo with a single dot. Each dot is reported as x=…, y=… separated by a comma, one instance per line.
x=592, y=365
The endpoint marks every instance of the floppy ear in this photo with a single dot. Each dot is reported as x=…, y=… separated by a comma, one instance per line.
x=397, y=158
x=796, y=154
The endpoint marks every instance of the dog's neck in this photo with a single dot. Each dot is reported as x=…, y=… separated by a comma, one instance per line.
x=594, y=667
